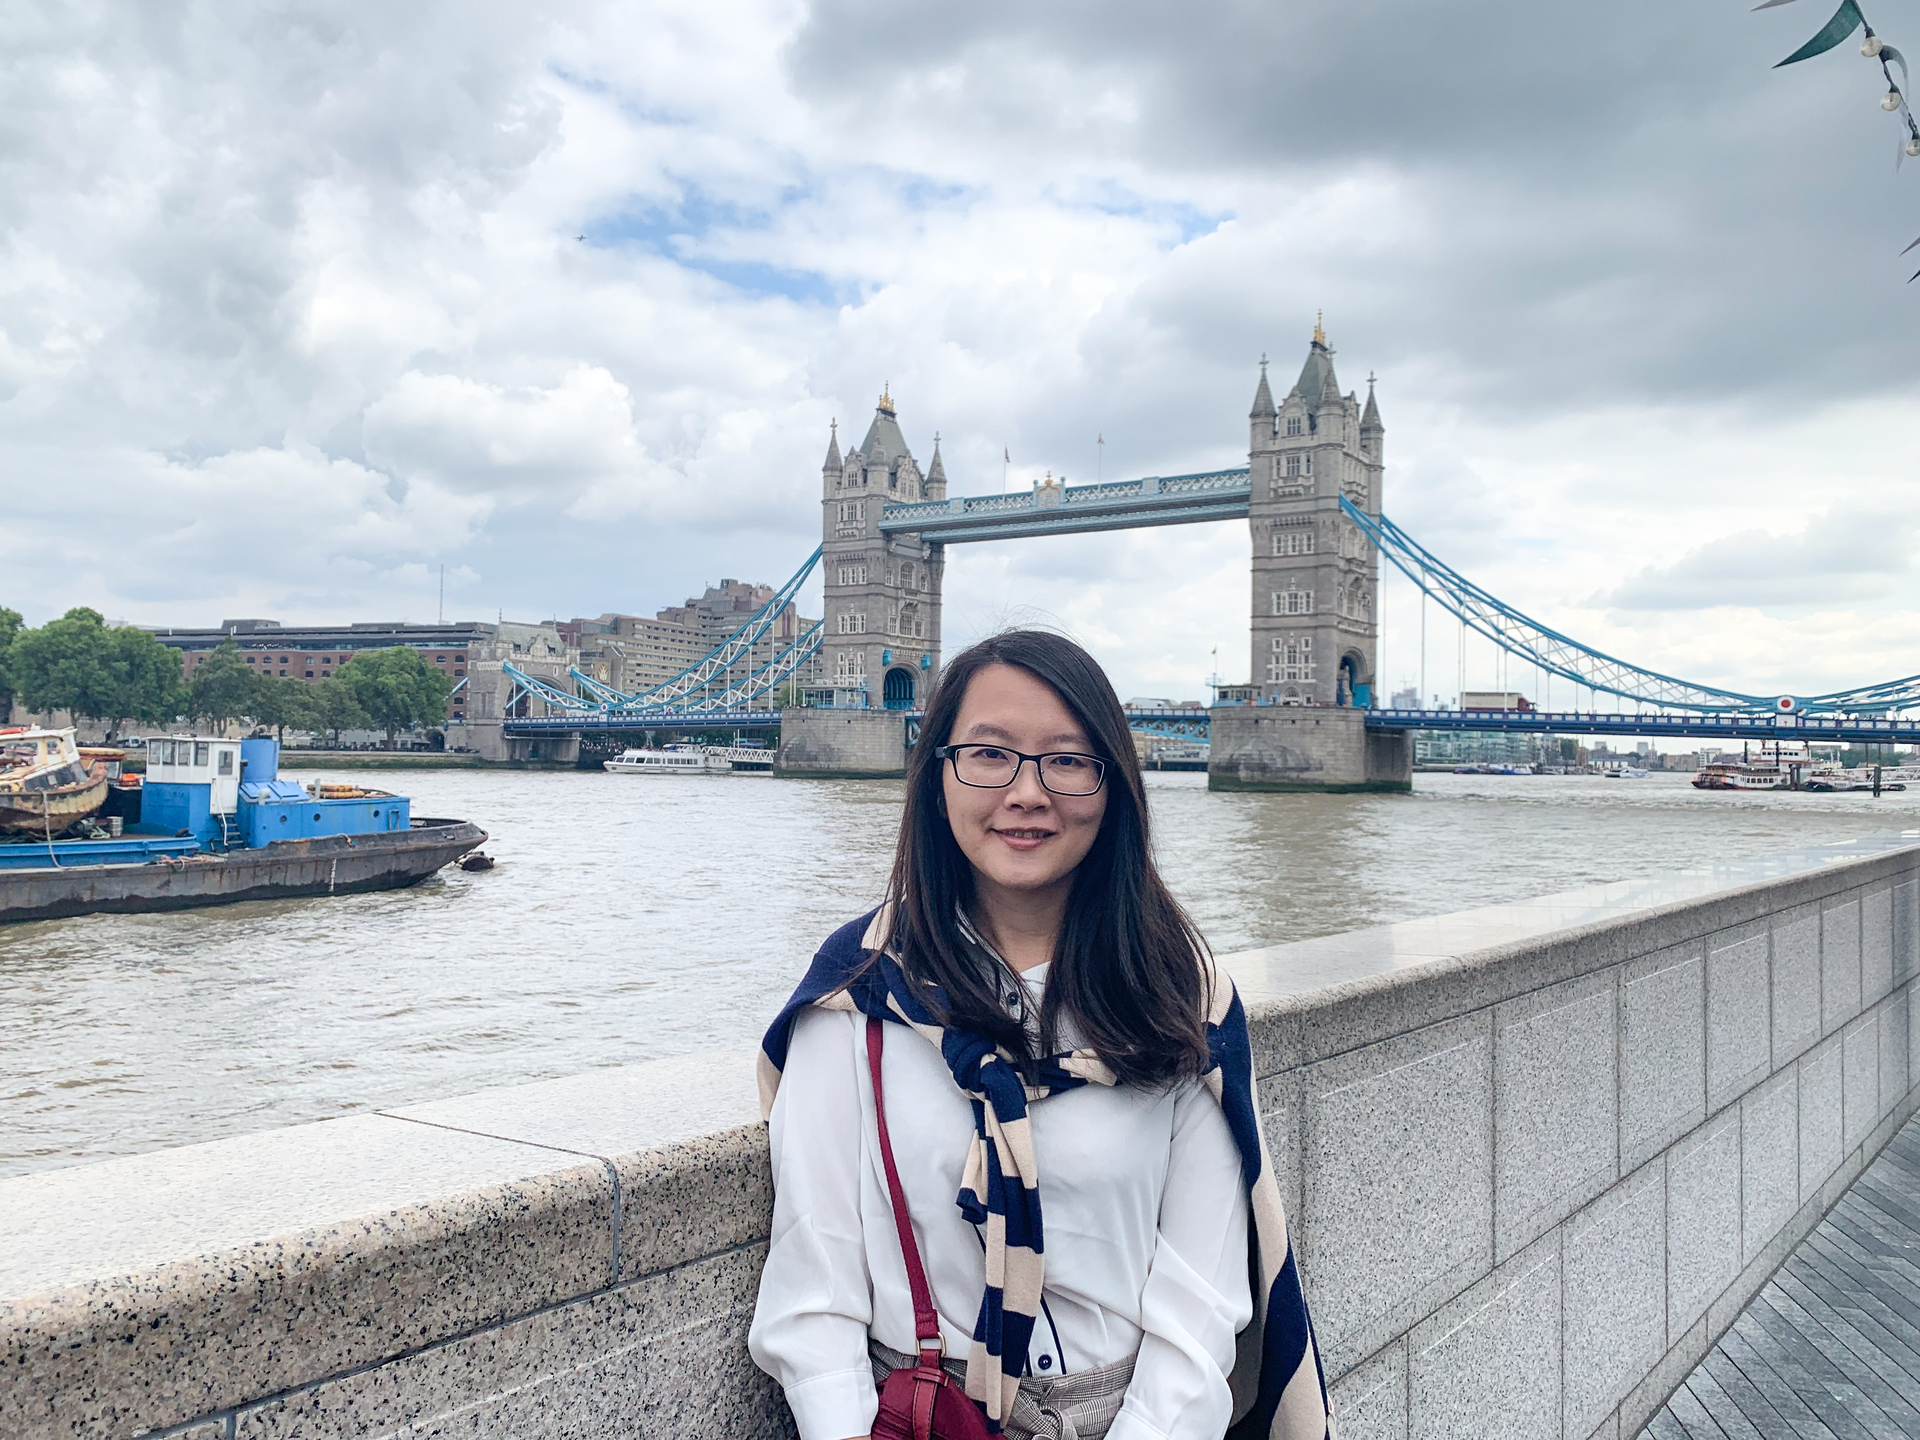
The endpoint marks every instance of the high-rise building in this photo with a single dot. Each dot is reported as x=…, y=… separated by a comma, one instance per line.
x=638, y=653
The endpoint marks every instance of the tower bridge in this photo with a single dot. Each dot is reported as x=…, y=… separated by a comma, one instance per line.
x=1315, y=577
x=845, y=696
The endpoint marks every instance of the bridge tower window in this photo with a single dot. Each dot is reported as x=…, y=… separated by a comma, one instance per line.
x=852, y=622
x=1293, y=602
x=1292, y=658
x=1293, y=542
x=1293, y=425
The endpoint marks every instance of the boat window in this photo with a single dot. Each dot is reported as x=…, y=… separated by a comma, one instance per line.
x=226, y=762
x=162, y=752
x=201, y=750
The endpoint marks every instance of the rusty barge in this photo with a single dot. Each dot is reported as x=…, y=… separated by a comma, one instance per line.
x=215, y=824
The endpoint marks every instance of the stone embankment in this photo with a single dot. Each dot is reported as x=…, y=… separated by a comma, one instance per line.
x=1538, y=1157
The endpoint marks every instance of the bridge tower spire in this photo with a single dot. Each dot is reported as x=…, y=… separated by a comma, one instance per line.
x=881, y=648
x=1316, y=578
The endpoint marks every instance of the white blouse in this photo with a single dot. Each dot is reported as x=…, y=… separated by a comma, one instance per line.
x=1145, y=1224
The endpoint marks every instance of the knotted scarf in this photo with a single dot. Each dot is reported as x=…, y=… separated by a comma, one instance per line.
x=1279, y=1390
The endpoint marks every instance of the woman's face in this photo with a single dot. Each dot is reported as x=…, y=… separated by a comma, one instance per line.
x=1025, y=837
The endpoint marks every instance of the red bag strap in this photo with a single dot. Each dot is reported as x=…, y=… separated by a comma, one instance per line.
x=926, y=1323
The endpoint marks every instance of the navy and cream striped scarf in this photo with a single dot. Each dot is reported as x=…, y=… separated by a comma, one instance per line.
x=1279, y=1390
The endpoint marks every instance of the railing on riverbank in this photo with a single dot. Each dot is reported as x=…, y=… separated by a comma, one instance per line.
x=1537, y=1156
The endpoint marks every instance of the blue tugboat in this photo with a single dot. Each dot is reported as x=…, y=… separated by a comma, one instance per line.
x=215, y=823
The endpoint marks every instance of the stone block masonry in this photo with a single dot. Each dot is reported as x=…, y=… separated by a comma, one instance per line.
x=1304, y=748
x=841, y=744
x=1539, y=1158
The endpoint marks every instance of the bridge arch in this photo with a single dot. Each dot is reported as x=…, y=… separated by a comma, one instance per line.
x=897, y=689
x=1353, y=684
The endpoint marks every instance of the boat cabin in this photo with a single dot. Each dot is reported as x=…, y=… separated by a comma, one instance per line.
x=192, y=760
x=229, y=794
x=31, y=748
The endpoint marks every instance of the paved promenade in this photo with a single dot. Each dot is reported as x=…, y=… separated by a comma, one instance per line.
x=1831, y=1345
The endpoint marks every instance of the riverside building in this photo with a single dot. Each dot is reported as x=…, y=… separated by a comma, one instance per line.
x=315, y=652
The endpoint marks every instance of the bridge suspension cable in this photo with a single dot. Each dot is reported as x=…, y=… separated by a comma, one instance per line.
x=708, y=684
x=1556, y=654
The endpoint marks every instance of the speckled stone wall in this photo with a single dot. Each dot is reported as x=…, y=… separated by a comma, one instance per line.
x=1537, y=1157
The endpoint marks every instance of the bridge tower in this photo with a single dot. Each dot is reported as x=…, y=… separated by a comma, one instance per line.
x=1316, y=578
x=881, y=649
x=1300, y=722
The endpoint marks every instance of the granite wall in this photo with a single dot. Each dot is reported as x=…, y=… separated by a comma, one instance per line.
x=1305, y=748
x=1538, y=1156
x=836, y=744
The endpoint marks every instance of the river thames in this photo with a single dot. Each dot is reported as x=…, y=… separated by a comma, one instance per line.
x=634, y=918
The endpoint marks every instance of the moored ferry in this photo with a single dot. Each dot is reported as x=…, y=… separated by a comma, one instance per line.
x=691, y=760
x=1779, y=771
x=213, y=823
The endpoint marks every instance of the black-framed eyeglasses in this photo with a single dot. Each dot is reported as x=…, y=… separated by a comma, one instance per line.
x=994, y=767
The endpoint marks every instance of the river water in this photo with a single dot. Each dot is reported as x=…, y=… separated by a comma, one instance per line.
x=637, y=917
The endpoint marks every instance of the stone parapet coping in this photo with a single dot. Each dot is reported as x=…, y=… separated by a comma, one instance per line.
x=249, y=1282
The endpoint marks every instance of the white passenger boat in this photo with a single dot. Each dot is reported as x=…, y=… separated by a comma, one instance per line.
x=674, y=760
x=1781, y=770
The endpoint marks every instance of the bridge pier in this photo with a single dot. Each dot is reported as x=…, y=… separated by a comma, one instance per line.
x=1305, y=748
x=822, y=744
x=548, y=749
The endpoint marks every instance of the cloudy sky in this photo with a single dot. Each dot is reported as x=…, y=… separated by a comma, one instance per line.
x=301, y=302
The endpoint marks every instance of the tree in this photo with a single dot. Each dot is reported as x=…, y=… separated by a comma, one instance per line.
x=282, y=701
x=223, y=688
x=335, y=709
x=146, y=678
x=66, y=665
x=78, y=665
x=396, y=687
x=9, y=629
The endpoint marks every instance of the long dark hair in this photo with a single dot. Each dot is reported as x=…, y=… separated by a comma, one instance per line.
x=1127, y=967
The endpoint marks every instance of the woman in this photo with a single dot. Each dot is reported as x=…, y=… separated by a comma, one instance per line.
x=1057, y=1053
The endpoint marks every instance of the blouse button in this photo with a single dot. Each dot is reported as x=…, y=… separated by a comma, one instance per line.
x=1046, y=1362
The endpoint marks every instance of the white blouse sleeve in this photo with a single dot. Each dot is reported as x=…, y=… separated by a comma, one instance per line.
x=1197, y=1297
x=810, y=1326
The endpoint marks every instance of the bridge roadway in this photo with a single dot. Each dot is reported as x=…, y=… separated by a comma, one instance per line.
x=617, y=722
x=1190, y=723
x=1783, y=728
x=1193, y=724
x=1071, y=509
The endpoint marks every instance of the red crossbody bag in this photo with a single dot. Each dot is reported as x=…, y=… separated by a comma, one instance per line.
x=923, y=1402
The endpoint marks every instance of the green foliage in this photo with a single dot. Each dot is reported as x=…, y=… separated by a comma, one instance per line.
x=284, y=702
x=64, y=665
x=78, y=665
x=335, y=709
x=147, y=674
x=9, y=629
x=396, y=687
x=223, y=688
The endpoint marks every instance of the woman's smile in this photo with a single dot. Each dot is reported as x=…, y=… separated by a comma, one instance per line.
x=1027, y=838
